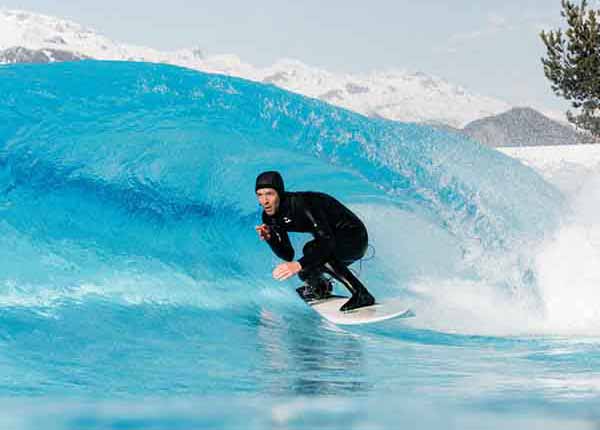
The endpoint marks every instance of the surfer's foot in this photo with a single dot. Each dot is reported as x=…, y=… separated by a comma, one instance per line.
x=359, y=300
x=321, y=289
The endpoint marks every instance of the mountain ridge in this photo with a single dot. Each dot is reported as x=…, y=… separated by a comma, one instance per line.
x=392, y=94
x=522, y=126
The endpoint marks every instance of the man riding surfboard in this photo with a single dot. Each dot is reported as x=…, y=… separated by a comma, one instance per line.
x=339, y=239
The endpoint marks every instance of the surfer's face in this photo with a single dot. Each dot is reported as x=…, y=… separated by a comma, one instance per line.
x=269, y=200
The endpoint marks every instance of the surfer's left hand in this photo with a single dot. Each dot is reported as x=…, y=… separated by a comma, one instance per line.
x=286, y=270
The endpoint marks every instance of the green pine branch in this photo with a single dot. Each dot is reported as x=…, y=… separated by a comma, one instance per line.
x=572, y=64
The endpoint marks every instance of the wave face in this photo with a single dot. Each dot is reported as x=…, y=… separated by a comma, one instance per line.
x=126, y=227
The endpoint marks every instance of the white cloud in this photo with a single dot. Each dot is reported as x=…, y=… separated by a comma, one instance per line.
x=497, y=21
x=496, y=25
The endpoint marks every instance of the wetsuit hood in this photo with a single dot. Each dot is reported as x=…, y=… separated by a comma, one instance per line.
x=270, y=179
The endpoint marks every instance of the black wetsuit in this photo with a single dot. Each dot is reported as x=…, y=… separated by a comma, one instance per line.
x=340, y=237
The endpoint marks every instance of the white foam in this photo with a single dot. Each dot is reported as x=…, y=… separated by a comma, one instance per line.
x=466, y=307
x=568, y=265
x=568, y=262
x=546, y=158
x=564, y=298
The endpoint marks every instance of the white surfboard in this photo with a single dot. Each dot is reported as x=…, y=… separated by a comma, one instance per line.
x=329, y=308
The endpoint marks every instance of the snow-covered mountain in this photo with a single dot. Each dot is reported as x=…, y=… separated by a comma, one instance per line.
x=397, y=95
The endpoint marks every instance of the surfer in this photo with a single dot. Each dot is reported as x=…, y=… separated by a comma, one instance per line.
x=339, y=239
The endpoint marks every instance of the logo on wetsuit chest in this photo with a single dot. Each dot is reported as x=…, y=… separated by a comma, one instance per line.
x=286, y=220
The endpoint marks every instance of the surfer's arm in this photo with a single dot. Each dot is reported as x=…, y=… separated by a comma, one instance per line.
x=281, y=245
x=279, y=241
x=324, y=238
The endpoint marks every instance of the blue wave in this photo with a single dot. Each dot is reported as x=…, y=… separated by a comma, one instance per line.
x=106, y=162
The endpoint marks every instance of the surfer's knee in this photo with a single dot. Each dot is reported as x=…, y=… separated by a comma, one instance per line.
x=309, y=247
x=310, y=273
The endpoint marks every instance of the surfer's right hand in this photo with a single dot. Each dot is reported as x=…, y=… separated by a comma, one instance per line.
x=264, y=233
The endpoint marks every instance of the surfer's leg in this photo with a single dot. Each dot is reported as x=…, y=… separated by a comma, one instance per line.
x=350, y=247
x=360, y=295
x=316, y=285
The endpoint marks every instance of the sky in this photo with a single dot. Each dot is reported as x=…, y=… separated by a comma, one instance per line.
x=489, y=47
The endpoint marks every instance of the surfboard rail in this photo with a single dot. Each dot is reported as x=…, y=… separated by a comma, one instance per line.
x=329, y=308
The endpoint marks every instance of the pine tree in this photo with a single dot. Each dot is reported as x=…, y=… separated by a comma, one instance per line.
x=573, y=64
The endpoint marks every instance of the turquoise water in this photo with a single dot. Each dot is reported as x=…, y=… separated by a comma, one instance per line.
x=134, y=292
